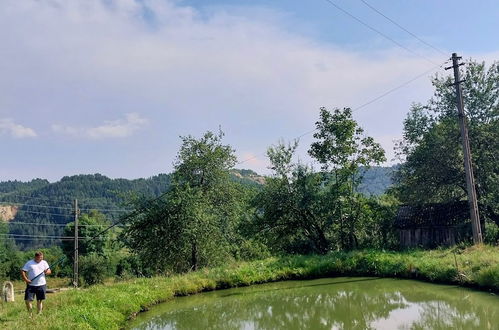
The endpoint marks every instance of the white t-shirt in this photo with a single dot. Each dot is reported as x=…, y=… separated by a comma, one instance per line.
x=33, y=268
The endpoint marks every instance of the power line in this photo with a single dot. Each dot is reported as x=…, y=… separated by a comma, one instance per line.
x=20, y=236
x=52, y=224
x=32, y=205
x=106, y=210
x=31, y=239
x=378, y=31
x=363, y=105
x=402, y=28
x=7, y=195
x=64, y=208
x=46, y=213
x=398, y=87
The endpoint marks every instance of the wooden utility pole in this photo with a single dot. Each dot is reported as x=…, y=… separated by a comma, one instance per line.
x=75, y=262
x=470, y=181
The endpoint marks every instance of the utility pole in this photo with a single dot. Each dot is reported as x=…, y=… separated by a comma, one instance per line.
x=470, y=181
x=75, y=262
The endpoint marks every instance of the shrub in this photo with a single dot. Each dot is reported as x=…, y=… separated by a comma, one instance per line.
x=93, y=268
x=491, y=235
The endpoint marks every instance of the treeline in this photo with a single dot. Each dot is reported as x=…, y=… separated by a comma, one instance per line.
x=205, y=219
x=46, y=206
x=203, y=214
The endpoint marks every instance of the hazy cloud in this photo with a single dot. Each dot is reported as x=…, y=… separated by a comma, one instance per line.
x=120, y=128
x=8, y=126
x=188, y=71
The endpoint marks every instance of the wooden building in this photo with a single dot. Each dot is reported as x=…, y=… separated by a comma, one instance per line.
x=433, y=225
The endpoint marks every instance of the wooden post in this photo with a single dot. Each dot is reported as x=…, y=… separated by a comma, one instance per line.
x=75, y=262
x=468, y=169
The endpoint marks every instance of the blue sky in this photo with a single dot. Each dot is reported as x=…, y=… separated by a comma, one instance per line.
x=108, y=86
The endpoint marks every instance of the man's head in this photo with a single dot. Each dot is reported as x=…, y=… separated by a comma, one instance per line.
x=38, y=256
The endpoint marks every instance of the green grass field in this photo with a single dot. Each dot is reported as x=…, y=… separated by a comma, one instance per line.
x=110, y=305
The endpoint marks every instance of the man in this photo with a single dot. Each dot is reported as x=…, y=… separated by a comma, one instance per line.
x=33, y=274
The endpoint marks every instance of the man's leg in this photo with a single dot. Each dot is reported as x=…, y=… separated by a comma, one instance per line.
x=28, y=299
x=40, y=297
x=29, y=307
x=39, y=306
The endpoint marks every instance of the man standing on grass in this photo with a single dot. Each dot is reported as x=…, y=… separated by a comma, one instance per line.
x=33, y=274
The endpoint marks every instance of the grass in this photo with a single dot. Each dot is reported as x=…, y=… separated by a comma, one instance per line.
x=110, y=305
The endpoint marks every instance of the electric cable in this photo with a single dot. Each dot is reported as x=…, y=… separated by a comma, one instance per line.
x=124, y=218
x=363, y=105
x=403, y=29
x=379, y=32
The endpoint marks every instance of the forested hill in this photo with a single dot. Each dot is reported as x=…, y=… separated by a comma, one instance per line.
x=50, y=205
x=377, y=179
x=100, y=192
x=45, y=207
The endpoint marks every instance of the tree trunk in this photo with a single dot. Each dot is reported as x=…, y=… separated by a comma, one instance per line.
x=194, y=256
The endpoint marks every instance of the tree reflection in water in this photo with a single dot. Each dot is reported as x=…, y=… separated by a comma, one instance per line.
x=339, y=303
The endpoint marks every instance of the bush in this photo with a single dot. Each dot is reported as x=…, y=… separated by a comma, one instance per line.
x=253, y=250
x=131, y=266
x=93, y=269
x=491, y=235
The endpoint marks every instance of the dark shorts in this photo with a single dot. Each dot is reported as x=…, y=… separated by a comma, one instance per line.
x=32, y=291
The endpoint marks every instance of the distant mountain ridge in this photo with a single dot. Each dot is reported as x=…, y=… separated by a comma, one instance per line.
x=50, y=205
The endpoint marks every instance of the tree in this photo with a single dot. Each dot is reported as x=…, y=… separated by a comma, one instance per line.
x=303, y=211
x=433, y=170
x=89, y=225
x=195, y=223
x=290, y=214
x=341, y=149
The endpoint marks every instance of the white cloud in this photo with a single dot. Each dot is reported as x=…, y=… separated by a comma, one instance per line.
x=110, y=129
x=188, y=71
x=7, y=126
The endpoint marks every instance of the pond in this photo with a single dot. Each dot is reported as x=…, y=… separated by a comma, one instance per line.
x=331, y=303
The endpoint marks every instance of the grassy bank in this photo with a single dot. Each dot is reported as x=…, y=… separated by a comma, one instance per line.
x=109, y=306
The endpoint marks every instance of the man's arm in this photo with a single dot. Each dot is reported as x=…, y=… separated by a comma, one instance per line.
x=47, y=270
x=25, y=278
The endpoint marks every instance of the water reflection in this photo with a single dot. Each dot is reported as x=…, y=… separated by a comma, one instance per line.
x=339, y=303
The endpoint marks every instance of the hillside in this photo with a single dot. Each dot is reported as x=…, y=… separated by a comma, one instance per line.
x=47, y=207
x=377, y=179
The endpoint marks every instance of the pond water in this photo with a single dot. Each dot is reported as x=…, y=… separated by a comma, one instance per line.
x=332, y=303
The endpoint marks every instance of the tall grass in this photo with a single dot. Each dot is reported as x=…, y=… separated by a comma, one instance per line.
x=109, y=306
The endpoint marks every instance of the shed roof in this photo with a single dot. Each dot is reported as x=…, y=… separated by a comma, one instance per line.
x=432, y=215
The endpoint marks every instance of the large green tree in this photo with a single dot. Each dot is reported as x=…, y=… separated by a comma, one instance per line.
x=195, y=223
x=341, y=147
x=89, y=226
x=433, y=170
x=303, y=211
x=290, y=210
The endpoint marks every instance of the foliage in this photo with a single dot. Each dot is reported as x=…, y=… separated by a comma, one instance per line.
x=341, y=148
x=12, y=260
x=434, y=170
x=93, y=268
x=195, y=223
x=110, y=306
x=302, y=211
x=49, y=205
x=491, y=233
x=89, y=226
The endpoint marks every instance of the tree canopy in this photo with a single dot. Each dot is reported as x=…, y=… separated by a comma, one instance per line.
x=433, y=170
x=195, y=223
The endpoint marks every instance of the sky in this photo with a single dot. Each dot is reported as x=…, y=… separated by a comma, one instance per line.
x=109, y=86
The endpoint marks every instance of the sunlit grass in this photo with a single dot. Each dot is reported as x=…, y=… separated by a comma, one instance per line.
x=110, y=305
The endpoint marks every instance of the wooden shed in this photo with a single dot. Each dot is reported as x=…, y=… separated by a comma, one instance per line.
x=433, y=225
